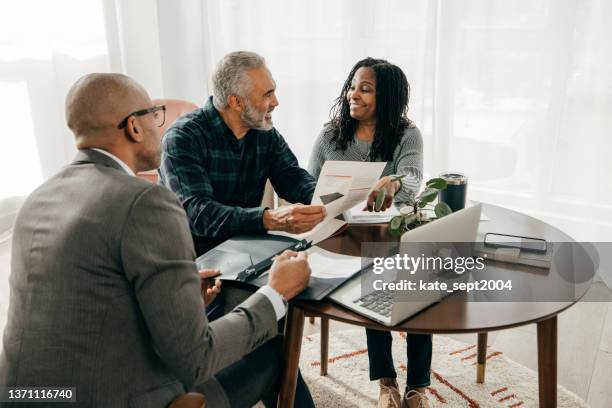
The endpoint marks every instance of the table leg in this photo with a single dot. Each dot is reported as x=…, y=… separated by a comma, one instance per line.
x=324, y=344
x=294, y=329
x=482, y=358
x=547, y=362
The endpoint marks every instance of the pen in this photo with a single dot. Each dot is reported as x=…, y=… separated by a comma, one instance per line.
x=253, y=272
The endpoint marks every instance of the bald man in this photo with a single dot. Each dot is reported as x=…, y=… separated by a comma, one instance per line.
x=105, y=295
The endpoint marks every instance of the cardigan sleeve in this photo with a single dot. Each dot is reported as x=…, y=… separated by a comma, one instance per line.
x=409, y=161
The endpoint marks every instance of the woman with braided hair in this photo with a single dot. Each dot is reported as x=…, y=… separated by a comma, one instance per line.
x=369, y=122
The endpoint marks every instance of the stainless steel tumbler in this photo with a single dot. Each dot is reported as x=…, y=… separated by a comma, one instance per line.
x=455, y=192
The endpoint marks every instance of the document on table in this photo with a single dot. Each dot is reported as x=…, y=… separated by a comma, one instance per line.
x=328, y=265
x=357, y=215
x=341, y=186
x=321, y=232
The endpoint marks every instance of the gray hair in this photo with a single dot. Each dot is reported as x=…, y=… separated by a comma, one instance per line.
x=230, y=76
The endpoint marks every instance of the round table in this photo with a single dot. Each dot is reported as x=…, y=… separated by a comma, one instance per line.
x=453, y=314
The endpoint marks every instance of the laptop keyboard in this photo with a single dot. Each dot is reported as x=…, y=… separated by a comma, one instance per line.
x=380, y=302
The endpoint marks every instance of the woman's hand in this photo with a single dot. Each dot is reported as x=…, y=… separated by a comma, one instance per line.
x=390, y=185
x=210, y=287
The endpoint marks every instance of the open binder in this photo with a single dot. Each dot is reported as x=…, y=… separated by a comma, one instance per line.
x=247, y=258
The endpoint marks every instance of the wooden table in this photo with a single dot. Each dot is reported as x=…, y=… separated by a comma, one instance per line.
x=454, y=314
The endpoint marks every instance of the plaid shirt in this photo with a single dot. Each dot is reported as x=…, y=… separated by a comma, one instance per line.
x=220, y=180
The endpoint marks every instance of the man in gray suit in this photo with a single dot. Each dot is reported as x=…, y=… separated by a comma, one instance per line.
x=105, y=294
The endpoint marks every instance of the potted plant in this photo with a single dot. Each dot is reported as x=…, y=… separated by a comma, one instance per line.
x=414, y=214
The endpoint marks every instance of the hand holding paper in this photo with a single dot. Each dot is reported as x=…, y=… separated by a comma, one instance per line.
x=295, y=218
x=341, y=185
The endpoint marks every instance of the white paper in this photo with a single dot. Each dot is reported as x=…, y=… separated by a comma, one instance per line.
x=321, y=232
x=327, y=265
x=357, y=215
x=349, y=180
x=341, y=186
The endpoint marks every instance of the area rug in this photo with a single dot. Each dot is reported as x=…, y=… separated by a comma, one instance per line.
x=507, y=384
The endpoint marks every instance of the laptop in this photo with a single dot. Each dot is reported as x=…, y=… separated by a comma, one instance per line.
x=380, y=306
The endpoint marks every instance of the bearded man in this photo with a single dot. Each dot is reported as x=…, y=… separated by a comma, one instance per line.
x=217, y=159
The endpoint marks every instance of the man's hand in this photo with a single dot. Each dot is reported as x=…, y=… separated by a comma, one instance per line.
x=295, y=218
x=210, y=287
x=391, y=187
x=290, y=273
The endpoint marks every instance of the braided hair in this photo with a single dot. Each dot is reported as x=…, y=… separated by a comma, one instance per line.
x=392, y=95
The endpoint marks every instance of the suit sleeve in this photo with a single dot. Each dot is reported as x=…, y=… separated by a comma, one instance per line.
x=158, y=259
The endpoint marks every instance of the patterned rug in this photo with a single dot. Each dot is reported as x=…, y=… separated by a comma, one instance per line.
x=507, y=384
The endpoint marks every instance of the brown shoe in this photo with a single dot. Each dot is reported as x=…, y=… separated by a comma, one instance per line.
x=415, y=399
x=389, y=396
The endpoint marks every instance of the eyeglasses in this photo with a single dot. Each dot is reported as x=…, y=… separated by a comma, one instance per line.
x=158, y=111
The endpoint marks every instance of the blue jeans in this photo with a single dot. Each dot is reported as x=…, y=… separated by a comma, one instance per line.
x=418, y=352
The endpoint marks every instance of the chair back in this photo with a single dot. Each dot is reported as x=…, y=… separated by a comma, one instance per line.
x=189, y=400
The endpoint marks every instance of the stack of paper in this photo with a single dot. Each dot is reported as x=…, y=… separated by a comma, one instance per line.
x=329, y=265
x=357, y=215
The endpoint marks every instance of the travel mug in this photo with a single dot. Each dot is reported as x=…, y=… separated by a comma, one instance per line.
x=455, y=192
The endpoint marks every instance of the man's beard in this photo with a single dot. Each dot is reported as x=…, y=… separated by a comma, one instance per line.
x=251, y=117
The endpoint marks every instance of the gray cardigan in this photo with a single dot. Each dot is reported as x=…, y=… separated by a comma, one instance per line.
x=407, y=158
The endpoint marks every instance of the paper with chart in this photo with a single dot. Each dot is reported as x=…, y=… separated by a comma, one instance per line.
x=341, y=186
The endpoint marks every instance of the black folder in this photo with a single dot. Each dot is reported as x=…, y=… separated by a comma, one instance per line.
x=244, y=254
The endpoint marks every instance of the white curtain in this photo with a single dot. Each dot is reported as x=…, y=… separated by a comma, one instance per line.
x=44, y=47
x=515, y=94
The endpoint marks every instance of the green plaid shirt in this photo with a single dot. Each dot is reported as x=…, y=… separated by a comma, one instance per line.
x=220, y=180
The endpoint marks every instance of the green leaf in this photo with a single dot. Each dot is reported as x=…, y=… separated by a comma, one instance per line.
x=437, y=182
x=442, y=209
x=427, y=196
x=396, y=222
x=396, y=226
x=396, y=233
x=397, y=178
x=380, y=199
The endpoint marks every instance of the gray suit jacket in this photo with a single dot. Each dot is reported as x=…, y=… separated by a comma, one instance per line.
x=105, y=295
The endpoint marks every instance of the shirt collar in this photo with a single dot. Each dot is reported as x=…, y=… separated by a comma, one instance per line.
x=219, y=125
x=118, y=160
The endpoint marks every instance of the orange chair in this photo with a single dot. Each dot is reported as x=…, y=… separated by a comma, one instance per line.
x=189, y=400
